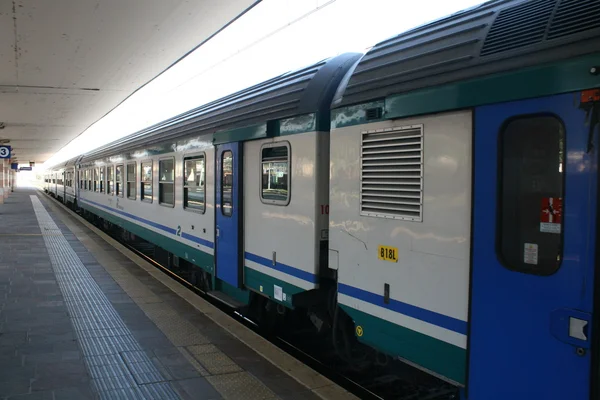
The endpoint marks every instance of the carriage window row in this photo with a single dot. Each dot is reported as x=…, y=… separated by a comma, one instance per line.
x=274, y=167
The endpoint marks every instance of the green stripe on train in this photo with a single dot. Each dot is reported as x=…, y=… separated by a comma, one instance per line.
x=435, y=355
x=565, y=76
x=195, y=256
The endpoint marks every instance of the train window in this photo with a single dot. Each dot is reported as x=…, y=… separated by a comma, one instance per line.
x=530, y=235
x=146, y=182
x=90, y=177
x=96, y=173
x=131, y=181
x=275, y=181
x=194, y=177
x=86, y=174
x=102, y=179
x=227, y=183
x=119, y=180
x=166, y=182
x=81, y=178
x=110, y=180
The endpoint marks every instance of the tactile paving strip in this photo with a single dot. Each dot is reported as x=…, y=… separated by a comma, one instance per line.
x=105, y=340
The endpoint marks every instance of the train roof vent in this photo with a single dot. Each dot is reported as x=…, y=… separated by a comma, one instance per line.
x=391, y=183
x=573, y=16
x=518, y=26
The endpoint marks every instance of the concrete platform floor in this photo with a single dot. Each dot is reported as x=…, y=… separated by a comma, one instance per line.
x=81, y=317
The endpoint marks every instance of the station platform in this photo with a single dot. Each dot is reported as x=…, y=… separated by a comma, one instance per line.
x=82, y=317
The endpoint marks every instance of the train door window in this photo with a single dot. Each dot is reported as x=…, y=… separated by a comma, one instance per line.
x=146, y=181
x=227, y=183
x=275, y=182
x=102, y=179
x=131, y=181
x=96, y=173
x=86, y=174
x=81, y=178
x=90, y=177
x=110, y=180
x=166, y=182
x=194, y=177
x=532, y=166
x=119, y=180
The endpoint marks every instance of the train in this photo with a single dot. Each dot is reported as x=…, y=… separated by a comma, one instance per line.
x=434, y=199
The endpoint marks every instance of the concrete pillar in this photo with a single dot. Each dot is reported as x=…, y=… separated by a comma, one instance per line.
x=1, y=181
x=6, y=178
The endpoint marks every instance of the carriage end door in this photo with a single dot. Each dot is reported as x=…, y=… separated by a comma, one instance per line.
x=228, y=232
x=534, y=227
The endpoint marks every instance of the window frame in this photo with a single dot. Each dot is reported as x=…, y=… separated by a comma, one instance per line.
x=142, y=182
x=101, y=179
x=120, y=193
x=282, y=203
x=127, y=181
x=172, y=158
x=499, y=203
x=187, y=157
x=221, y=175
x=110, y=189
x=96, y=176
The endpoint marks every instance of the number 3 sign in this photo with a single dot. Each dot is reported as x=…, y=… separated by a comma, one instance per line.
x=4, y=151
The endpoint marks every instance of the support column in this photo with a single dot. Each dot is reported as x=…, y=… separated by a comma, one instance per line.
x=6, y=181
x=2, y=181
x=14, y=179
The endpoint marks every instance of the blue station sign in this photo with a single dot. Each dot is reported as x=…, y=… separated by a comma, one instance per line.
x=5, y=151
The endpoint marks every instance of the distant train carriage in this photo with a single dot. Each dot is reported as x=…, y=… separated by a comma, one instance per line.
x=434, y=199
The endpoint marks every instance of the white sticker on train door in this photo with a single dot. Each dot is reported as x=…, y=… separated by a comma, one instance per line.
x=278, y=293
x=551, y=215
x=531, y=254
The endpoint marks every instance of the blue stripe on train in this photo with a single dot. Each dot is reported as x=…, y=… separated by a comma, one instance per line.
x=422, y=314
x=286, y=269
x=156, y=225
x=441, y=320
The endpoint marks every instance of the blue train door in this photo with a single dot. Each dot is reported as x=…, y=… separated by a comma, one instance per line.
x=228, y=236
x=534, y=227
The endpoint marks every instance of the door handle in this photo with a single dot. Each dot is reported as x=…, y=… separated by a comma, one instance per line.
x=578, y=328
x=571, y=326
x=217, y=231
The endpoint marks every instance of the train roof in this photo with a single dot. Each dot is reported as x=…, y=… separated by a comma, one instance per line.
x=493, y=37
x=304, y=91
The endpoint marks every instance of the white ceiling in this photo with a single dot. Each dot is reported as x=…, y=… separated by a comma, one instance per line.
x=64, y=64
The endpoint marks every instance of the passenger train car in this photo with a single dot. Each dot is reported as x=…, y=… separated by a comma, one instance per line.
x=435, y=198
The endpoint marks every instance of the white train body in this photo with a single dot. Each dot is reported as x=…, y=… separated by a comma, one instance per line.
x=428, y=282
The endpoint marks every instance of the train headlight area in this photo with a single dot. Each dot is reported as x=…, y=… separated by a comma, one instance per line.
x=420, y=220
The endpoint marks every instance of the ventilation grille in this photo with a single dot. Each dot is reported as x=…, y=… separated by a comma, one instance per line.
x=519, y=26
x=575, y=16
x=391, y=184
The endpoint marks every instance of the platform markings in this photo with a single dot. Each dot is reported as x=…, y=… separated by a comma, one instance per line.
x=91, y=311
